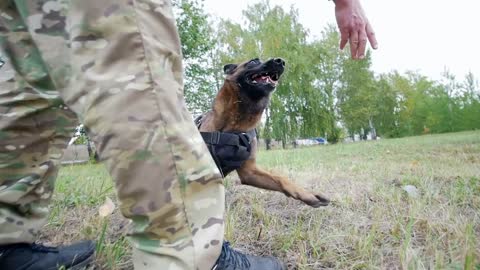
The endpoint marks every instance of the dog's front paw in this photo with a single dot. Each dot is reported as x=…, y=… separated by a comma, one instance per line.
x=316, y=200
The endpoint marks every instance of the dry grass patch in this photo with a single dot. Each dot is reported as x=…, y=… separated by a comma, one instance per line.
x=372, y=224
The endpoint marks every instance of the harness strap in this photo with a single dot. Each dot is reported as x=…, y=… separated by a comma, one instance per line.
x=229, y=138
x=228, y=149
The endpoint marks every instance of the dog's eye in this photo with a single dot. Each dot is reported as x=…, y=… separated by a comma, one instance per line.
x=254, y=61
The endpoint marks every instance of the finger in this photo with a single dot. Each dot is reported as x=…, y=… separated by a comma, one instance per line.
x=344, y=38
x=354, y=44
x=371, y=36
x=362, y=38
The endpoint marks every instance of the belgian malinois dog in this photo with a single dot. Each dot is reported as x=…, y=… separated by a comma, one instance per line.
x=238, y=108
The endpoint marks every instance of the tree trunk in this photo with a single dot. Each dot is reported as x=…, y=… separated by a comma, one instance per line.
x=334, y=138
x=372, y=129
x=89, y=149
x=363, y=134
x=92, y=153
x=267, y=131
x=268, y=142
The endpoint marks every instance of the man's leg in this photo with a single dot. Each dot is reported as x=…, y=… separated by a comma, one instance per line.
x=127, y=87
x=35, y=127
x=125, y=70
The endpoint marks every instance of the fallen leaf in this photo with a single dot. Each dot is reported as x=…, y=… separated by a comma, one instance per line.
x=107, y=208
x=412, y=191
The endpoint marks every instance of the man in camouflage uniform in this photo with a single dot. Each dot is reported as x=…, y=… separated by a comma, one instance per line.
x=115, y=66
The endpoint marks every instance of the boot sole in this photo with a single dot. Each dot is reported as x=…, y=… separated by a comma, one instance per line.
x=83, y=264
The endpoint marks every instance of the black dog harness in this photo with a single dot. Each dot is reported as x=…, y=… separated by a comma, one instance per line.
x=229, y=149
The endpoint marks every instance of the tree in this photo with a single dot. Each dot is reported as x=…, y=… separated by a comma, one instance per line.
x=327, y=74
x=412, y=104
x=357, y=97
x=197, y=49
x=83, y=139
x=322, y=90
x=296, y=108
x=470, y=100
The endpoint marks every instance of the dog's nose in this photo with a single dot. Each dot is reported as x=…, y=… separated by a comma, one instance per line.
x=279, y=61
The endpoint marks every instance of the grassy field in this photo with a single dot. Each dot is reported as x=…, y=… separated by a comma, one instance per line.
x=372, y=224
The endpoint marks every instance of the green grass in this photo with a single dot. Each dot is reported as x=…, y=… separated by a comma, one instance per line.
x=372, y=223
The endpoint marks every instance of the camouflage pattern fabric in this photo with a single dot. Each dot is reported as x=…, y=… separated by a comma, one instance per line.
x=116, y=66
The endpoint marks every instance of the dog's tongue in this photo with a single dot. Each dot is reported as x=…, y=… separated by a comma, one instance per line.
x=264, y=79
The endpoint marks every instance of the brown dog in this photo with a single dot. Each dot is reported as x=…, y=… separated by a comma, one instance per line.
x=238, y=108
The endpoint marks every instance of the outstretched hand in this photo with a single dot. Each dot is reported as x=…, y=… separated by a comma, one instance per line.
x=354, y=27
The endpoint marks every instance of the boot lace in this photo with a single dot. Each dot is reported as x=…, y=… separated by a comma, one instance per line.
x=231, y=257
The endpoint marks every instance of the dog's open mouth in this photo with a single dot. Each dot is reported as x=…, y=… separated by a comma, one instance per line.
x=265, y=78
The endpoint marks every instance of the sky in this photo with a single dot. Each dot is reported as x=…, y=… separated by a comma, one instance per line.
x=425, y=36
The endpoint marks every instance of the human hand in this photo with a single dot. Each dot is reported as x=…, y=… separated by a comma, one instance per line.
x=354, y=27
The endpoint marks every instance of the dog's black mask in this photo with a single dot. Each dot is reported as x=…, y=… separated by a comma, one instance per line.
x=256, y=79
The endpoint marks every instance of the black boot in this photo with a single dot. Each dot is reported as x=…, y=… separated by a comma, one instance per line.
x=38, y=257
x=234, y=260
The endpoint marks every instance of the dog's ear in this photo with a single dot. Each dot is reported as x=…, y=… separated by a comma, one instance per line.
x=229, y=69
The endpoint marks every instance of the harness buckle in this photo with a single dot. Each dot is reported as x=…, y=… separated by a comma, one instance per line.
x=215, y=139
x=245, y=138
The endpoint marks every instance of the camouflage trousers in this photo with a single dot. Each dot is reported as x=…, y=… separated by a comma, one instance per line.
x=115, y=66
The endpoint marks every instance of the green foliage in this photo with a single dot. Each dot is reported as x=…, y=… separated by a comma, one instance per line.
x=327, y=73
x=357, y=97
x=193, y=28
x=81, y=140
x=197, y=49
x=323, y=92
x=416, y=105
x=301, y=106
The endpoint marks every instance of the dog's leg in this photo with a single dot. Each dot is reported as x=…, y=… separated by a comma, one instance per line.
x=251, y=175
